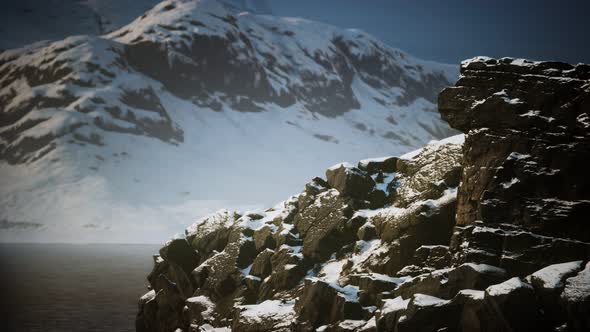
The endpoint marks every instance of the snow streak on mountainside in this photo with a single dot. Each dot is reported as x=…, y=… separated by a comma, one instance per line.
x=190, y=107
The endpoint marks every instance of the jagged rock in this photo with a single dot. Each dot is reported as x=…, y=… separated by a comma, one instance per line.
x=350, y=181
x=390, y=312
x=426, y=313
x=473, y=276
x=372, y=284
x=428, y=172
x=219, y=275
x=509, y=306
x=379, y=165
x=446, y=283
x=406, y=230
x=179, y=252
x=527, y=144
x=169, y=307
x=576, y=300
x=320, y=303
x=251, y=293
x=469, y=308
x=147, y=311
x=199, y=310
x=323, y=225
x=510, y=247
x=262, y=266
x=430, y=217
x=315, y=303
x=367, y=232
x=171, y=277
x=212, y=232
x=427, y=284
x=435, y=257
x=288, y=268
x=413, y=271
x=263, y=238
x=316, y=186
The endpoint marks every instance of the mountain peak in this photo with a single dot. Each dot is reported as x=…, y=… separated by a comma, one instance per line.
x=253, y=6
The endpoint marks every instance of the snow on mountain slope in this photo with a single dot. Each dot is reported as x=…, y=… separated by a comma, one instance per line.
x=193, y=106
x=26, y=21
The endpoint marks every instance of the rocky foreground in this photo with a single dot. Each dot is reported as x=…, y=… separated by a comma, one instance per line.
x=482, y=232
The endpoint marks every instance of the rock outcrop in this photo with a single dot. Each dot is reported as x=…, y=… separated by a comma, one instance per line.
x=527, y=148
x=479, y=232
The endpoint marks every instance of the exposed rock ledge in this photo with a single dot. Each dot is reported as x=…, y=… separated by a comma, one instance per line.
x=377, y=247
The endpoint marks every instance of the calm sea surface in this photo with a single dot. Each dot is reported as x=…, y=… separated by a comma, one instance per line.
x=70, y=287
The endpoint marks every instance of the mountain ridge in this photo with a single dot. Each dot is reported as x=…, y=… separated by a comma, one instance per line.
x=122, y=118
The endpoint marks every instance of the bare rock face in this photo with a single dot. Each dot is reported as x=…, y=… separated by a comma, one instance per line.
x=388, y=246
x=527, y=144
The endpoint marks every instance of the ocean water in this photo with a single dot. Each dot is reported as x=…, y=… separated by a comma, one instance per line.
x=71, y=287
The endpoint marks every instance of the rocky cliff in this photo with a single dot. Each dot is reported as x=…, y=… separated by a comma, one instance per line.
x=479, y=232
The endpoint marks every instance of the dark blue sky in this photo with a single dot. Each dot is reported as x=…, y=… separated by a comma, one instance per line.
x=452, y=30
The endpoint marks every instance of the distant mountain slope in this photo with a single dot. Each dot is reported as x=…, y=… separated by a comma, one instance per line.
x=27, y=21
x=196, y=101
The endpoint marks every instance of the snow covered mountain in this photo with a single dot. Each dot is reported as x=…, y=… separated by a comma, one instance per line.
x=26, y=21
x=193, y=106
